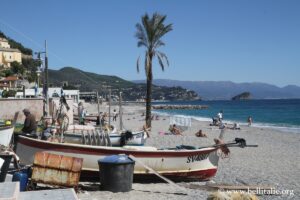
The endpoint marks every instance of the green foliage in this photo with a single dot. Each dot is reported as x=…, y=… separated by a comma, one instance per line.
x=16, y=45
x=9, y=93
x=149, y=33
x=69, y=87
x=86, y=81
x=7, y=72
x=17, y=68
x=2, y=35
x=31, y=66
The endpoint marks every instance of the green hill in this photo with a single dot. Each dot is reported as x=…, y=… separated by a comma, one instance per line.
x=87, y=81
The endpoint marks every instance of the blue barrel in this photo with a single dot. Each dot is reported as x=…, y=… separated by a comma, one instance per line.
x=22, y=177
x=116, y=173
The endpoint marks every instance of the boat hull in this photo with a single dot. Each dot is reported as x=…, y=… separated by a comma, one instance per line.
x=5, y=135
x=200, y=164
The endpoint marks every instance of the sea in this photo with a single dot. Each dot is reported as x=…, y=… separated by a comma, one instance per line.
x=282, y=114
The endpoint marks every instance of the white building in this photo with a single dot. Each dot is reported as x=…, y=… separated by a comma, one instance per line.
x=52, y=92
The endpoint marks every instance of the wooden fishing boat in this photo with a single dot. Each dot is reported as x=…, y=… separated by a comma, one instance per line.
x=177, y=164
x=5, y=135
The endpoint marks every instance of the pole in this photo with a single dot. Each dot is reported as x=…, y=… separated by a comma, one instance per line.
x=109, y=105
x=38, y=75
x=98, y=106
x=120, y=111
x=46, y=80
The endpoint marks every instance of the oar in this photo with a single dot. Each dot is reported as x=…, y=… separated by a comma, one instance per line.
x=238, y=142
x=157, y=174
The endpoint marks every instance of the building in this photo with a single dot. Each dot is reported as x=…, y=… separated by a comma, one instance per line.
x=52, y=92
x=9, y=82
x=8, y=55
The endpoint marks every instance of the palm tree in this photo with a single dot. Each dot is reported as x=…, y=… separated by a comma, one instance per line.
x=149, y=34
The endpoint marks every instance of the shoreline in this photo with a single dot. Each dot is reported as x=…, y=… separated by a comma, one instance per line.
x=284, y=129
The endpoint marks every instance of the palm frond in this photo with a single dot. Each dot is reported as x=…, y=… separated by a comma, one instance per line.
x=149, y=34
x=141, y=36
x=164, y=56
x=158, y=44
x=160, y=61
x=138, y=64
x=142, y=43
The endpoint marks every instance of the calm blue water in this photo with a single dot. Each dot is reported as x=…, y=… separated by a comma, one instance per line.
x=279, y=113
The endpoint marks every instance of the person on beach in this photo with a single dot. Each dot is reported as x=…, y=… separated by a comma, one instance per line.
x=249, y=120
x=200, y=134
x=115, y=115
x=220, y=116
x=30, y=124
x=215, y=121
x=104, y=120
x=62, y=118
x=175, y=130
x=236, y=126
x=81, y=113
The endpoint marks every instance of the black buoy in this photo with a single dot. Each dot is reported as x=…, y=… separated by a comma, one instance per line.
x=116, y=173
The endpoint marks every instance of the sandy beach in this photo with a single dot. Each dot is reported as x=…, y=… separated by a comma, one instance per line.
x=275, y=162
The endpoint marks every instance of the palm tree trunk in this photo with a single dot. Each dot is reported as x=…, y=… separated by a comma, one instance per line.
x=149, y=93
x=148, y=102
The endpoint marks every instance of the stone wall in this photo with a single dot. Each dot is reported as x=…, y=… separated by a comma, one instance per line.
x=8, y=107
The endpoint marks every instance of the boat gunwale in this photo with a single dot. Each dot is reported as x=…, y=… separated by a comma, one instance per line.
x=2, y=128
x=103, y=150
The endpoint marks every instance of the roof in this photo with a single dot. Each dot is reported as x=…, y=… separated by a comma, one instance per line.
x=10, y=78
x=9, y=50
x=3, y=39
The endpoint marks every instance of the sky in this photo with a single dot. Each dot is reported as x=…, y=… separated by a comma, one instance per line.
x=239, y=41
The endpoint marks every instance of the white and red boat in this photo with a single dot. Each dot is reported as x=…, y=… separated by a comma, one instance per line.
x=177, y=164
x=5, y=135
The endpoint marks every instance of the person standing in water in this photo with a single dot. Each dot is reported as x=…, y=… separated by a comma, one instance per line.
x=249, y=120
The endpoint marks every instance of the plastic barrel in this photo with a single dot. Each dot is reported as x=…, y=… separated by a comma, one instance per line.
x=5, y=166
x=23, y=178
x=116, y=173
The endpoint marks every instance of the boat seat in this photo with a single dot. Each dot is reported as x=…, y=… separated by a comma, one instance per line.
x=140, y=148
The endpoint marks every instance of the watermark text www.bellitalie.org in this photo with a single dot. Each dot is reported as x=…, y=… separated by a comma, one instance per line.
x=259, y=191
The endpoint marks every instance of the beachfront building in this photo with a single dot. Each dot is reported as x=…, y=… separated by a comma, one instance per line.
x=8, y=55
x=52, y=92
x=9, y=82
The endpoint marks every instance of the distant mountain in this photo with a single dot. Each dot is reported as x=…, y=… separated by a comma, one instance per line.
x=214, y=90
x=87, y=81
